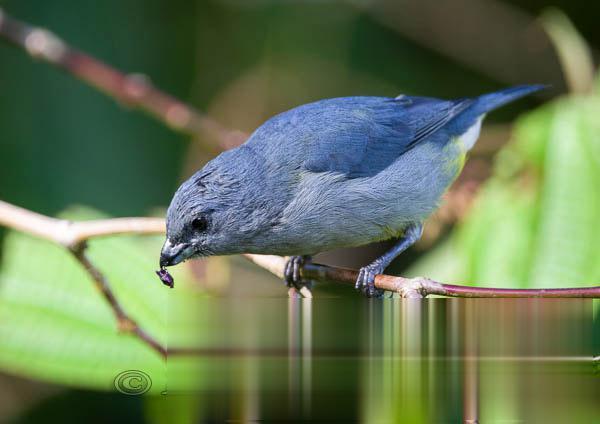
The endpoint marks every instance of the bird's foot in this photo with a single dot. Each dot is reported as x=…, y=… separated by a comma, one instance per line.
x=291, y=273
x=366, y=280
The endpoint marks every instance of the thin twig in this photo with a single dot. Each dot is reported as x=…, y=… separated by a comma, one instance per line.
x=134, y=90
x=422, y=287
x=70, y=234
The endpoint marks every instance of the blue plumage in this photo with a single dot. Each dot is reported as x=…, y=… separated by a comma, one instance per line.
x=337, y=172
x=360, y=136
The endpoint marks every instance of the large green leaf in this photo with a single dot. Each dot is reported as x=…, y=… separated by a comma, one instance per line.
x=56, y=326
x=531, y=135
x=497, y=239
x=568, y=229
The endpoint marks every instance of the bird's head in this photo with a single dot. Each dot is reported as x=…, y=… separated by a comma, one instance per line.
x=197, y=219
x=212, y=213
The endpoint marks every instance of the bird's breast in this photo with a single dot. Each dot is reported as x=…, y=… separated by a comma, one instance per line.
x=329, y=210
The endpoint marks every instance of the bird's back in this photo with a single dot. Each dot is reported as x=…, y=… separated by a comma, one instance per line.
x=354, y=136
x=361, y=136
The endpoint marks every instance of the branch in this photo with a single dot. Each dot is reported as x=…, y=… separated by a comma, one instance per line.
x=134, y=90
x=422, y=287
x=70, y=234
x=418, y=287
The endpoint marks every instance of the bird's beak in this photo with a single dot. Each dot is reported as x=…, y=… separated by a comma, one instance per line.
x=173, y=254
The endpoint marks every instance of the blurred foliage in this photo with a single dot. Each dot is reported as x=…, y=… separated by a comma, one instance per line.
x=64, y=143
x=535, y=223
x=56, y=326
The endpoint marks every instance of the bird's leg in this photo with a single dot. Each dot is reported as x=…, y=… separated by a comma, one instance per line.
x=366, y=276
x=291, y=273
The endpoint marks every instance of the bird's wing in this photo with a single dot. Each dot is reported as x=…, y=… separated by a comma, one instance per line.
x=361, y=138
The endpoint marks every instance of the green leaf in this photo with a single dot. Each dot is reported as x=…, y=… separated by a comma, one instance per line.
x=497, y=237
x=56, y=326
x=568, y=229
x=444, y=263
x=531, y=135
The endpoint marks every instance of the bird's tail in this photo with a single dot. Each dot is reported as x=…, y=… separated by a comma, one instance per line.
x=488, y=102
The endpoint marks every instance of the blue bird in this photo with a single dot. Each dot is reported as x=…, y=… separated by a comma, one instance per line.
x=335, y=173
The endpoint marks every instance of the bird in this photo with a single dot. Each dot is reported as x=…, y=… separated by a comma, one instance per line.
x=340, y=172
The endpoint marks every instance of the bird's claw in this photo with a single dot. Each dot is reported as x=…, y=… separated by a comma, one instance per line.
x=366, y=281
x=291, y=273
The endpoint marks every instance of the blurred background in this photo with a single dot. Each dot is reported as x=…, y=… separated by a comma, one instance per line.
x=524, y=212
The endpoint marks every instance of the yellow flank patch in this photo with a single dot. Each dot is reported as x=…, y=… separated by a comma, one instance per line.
x=455, y=155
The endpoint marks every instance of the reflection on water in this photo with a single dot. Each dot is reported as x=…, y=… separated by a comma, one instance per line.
x=438, y=360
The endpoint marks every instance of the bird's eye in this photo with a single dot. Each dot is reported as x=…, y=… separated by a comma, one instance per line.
x=200, y=223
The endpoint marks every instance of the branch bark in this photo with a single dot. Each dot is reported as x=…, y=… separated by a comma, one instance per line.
x=420, y=287
x=133, y=90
